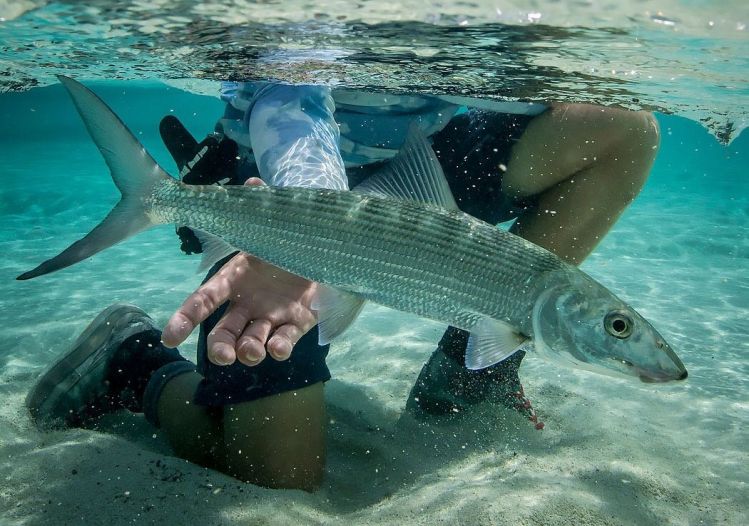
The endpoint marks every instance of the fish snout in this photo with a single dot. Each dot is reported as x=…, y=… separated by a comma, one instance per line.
x=671, y=366
x=662, y=377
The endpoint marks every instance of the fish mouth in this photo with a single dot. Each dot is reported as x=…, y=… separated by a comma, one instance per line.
x=674, y=371
x=659, y=378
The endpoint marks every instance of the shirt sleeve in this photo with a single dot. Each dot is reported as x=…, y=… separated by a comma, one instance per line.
x=295, y=138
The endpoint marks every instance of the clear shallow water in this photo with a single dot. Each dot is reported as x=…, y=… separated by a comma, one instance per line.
x=613, y=451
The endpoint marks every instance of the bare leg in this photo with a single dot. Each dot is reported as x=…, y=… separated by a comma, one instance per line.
x=275, y=442
x=278, y=441
x=194, y=432
x=586, y=164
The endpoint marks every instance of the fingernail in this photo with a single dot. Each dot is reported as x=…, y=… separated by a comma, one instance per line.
x=252, y=356
x=176, y=331
x=251, y=353
x=221, y=355
x=281, y=354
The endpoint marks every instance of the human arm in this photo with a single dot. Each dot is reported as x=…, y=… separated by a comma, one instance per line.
x=294, y=140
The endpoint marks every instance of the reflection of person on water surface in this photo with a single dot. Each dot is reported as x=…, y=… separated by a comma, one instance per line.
x=564, y=173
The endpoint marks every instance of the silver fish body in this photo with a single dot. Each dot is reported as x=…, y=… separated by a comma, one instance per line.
x=405, y=253
x=439, y=264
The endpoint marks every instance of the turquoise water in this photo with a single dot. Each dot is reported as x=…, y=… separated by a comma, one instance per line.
x=612, y=452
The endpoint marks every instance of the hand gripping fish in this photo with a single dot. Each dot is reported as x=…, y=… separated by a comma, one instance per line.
x=398, y=240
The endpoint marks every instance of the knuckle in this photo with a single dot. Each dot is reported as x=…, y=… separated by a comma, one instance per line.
x=257, y=327
x=199, y=303
x=220, y=334
x=291, y=334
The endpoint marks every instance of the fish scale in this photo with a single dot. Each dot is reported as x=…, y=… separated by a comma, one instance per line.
x=405, y=255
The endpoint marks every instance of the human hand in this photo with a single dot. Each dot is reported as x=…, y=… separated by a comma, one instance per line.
x=269, y=310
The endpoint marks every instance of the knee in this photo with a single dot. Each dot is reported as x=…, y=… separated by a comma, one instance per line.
x=638, y=134
x=633, y=150
x=616, y=147
x=652, y=130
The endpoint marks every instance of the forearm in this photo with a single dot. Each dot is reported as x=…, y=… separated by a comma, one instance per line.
x=295, y=137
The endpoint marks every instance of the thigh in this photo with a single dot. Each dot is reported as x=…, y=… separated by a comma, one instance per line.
x=586, y=164
x=278, y=441
x=571, y=138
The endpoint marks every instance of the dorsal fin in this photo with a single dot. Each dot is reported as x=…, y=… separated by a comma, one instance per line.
x=414, y=174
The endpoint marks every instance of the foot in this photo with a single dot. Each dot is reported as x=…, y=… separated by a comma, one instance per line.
x=76, y=387
x=445, y=387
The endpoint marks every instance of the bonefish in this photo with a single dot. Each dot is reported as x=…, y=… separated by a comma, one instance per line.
x=398, y=240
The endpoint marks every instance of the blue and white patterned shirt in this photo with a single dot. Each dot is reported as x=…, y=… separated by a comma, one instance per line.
x=305, y=135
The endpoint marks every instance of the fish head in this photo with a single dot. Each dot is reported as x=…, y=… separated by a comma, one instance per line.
x=578, y=321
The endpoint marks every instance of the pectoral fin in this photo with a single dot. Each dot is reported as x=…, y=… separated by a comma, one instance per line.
x=214, y=249
x=336, y=311
x=492, y=341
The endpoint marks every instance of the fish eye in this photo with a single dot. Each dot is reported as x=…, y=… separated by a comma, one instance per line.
x=618, y=324
x=624, y=362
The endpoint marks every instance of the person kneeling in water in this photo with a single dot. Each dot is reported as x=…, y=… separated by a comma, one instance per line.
x=263, y=420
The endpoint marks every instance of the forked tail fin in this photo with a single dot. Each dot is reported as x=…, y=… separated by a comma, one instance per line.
x=133, y=170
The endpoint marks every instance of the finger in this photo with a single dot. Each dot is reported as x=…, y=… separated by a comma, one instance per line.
x=222, y=340
x=283, y=340
x=251, y=345
x=196, y=308
x=254, y=181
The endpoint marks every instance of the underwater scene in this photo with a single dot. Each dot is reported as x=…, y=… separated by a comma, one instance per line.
x=392, y=169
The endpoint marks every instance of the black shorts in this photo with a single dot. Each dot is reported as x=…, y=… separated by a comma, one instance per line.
x=473, y=149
